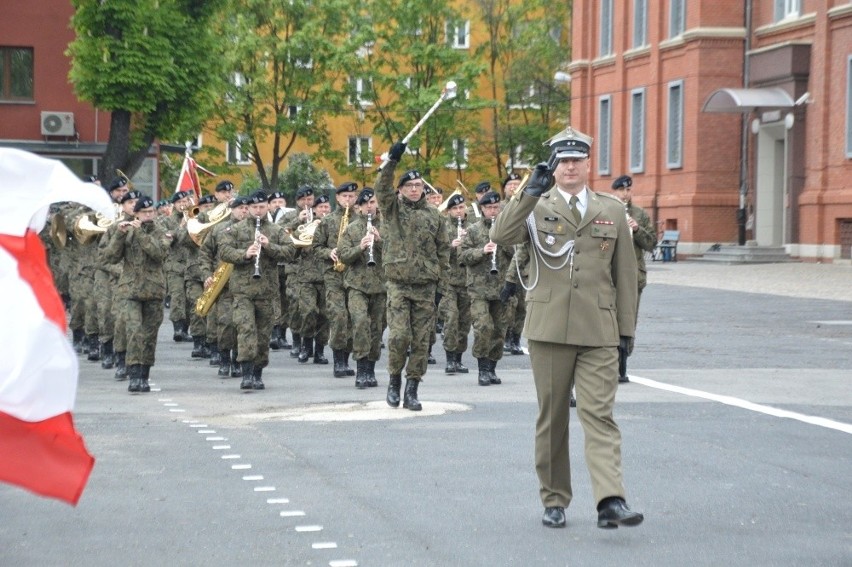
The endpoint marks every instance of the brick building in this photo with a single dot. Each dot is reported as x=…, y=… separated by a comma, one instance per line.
x=734, y=118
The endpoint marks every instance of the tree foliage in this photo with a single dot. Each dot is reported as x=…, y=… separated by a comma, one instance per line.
x=151, y=64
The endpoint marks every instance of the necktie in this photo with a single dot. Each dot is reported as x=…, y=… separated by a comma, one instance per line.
x=575, y=210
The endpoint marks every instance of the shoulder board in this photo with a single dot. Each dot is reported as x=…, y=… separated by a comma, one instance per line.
x=608, y=196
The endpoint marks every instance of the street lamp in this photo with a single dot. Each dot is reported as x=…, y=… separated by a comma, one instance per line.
x=561, y=78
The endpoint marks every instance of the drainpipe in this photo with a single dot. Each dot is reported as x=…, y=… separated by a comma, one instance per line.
x=742, y=213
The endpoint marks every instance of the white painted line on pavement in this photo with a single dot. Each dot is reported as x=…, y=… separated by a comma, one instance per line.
x=343, y=563
x=198, y=425
x=277, y=500
x=206, y=431
x=164, y=399
x=171, y=404
x=190, y=421
x=221, y=447
x=177, y=410
x=216, y=439
x=240, y=467
x=308, y=528
x=155, y=389
x=230, y=457
x=264, y=489
x=253, y=477
x=833, y=322
x=324, y=545
x=291, y=513
x=744, y=404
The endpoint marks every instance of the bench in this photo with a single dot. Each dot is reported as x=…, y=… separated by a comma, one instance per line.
x=666, y=249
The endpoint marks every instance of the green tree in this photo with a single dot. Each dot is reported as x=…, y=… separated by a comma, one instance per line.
x=152, y=64
x=300, y=171
x=284, y=64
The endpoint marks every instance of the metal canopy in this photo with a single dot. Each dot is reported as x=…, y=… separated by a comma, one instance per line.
x=747, y=100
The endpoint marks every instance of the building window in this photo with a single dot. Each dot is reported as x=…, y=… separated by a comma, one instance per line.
x=458, y=34
x=362, y=91
x=606, y=28
x=640, y=23
x=604, y=134
x=677, y=17
x=360, y=150
x=458, y=151
x=849, y=107
x=637, y=131
x=519, y=159
x=674, y=142
x=787, y=9
x=16, y=73
x=239, y=150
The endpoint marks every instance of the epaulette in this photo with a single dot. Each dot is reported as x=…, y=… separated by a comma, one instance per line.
x=608, y=196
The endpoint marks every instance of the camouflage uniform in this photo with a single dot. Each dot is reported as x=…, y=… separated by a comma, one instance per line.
x=486, y=310
x=143, y=251
x=82, y=279
x=289, y=287
x=309, y=281
x=455, y=303
x=175, y=268
x=515, y=308
x=366, y=296
x=109, y=309
x=193, y=283
x=252, y=311
x=415, y=253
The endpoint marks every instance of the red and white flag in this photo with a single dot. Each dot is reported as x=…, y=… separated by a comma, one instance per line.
x=41, y=450
x=188, y=179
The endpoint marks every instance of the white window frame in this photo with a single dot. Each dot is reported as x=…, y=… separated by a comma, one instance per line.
x=458, y=33
x=358, y=84
x=239, y=157
x=604, y=144
x=518, y=161
x=787, y=9
x=637, y=130
x=640, y=23
x=674, y=131
x=359, y=149
x=530, y=93
x=455, y=148
x=677, y=17
x=849, y=107
x=605, y=29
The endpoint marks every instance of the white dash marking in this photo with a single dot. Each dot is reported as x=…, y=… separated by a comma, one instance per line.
x=217, y=439
x=156, y=389
x=207, y=431
x=177, y=410
x=253, y=477
x=240, y=467
x=171, y=404
x=221, y=447
x=198, y=425
x=165, y=400
x=264, y=489
x=190, y=421
x=231, y=457
x=324, y=545
x=291, y=514
x=308, y=528
x=277, y=500
x=343, y=563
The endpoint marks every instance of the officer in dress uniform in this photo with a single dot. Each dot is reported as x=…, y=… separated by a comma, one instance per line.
x=581, y=304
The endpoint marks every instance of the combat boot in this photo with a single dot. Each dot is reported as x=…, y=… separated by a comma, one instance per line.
x=215, y=355
x=484, y=376
x=224, y=363
x=410, y=401
x=282, y=339
x=362, y=376
x=297, y=346
x=120, y=367
x=77, y=340
x=451, y=363
x=197, y=347
x=134, y=372
x=236, y=367
x=257, y=378
x=515, y=346
x=429, y=358
x=205, y=348
x=319, y=356
x=248, y=376
x=273, y=340
x=349, y=371
x=339, y=370
x=507, y=342
x=307, y=350
x=143, y=385
x=94, y=349
x=184, y=331
x=393, y=390
x=492, y=366
x=107, y=355
x=461, y=368
x=371, y=374
x=177, y=335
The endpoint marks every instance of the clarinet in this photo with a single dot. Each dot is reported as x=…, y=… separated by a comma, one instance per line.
x=493, y=270
x=256, y=274
x=371, y=261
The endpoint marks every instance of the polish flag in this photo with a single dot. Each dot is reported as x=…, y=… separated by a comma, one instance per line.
x=188, y=179
x=41, y=450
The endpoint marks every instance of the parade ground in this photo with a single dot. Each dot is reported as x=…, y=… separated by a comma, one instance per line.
x=737, y=447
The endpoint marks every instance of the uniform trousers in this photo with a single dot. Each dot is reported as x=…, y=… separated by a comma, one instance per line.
x=292, y=316
x=312, y=311
x=594, y=371
x=367, y=312
x=143, y=321
x=197, y=326
x=455, y=309
x=339, y=335
x=212, y=324
x=177, y=291
x=227, y=337
x=103, y=290
x=411, y=318
x=515, y=313
x=489, y=328
x=253, y=320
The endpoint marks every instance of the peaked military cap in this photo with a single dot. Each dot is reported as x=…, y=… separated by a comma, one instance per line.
x=570, y=143
x=489, y=198
x=482, y=187
x=117, y=183
x=320, y=200
x=130, y=195
x=365, y=195
x=276, y=195
x=180, y=195
x=456, y=199
x=142, y=202
x=623, y=181
x=511, y=177
x=410, y=175
x=348, y=187
x=304, y=191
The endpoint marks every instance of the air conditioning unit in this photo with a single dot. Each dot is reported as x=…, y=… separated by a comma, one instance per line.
x=57, y=123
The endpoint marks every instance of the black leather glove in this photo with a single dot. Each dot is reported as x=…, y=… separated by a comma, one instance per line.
x=396, y=151
x=540, y=180
x=626, y=344
x=509, y=289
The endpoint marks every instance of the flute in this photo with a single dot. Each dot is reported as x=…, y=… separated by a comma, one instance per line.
x=256, y=273
x=371, y=261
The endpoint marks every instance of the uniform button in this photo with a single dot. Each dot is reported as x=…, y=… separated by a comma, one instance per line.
x=575, y=285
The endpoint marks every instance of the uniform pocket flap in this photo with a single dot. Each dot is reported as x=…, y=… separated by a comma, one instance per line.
x=604, y=231
x=539, y=294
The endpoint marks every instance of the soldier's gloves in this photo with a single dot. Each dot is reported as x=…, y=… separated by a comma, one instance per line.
x=540, y=180
x=396, y=151
x=626, y=344
x=509, y=289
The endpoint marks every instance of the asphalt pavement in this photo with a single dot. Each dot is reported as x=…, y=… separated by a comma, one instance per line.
x=737, y=446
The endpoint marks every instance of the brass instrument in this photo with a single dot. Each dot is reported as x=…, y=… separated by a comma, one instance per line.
x=256, y=274
x=344, y=222
x=209, y=296
x=121, y=174
x=58, y=230
x=371, y=261
x=198, y=230
x=86, y=230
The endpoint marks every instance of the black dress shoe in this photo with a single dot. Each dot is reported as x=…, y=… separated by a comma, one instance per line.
x=613, y=512
x=623, y=379
x=554, y=517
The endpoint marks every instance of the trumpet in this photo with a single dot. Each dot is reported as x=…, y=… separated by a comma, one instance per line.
x=256, y=274
x=371, y=261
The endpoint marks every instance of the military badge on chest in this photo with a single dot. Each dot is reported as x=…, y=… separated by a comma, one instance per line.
x=600, y=226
